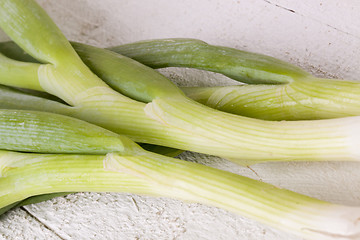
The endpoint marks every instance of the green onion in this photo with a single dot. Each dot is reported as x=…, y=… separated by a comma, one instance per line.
x=181, y=123
x=295, y=101
x=174, y=119
x=306, y=99
x=131, y=169
x=314, y=140
x=297, y=135
x=303, y=97
x=27, y=131
x=170, y=119
x=26, y=174
x=289, y=92
x=239, y=65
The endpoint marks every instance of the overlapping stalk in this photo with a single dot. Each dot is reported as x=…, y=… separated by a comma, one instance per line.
x=120, y=165
x=290, y=94
x=159, y=176
x=282, y=91
x=170, y=119
x=276, y=137
x=133, y=170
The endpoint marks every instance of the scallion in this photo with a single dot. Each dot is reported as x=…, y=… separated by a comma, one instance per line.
x=277, y=90
x=170, y=119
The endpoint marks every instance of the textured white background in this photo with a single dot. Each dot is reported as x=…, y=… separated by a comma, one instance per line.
x=321, y=36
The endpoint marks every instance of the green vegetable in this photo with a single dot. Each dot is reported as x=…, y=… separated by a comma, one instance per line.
x=27, y=131
x=287, y=93
x=239, y=65
x=173, y=120
x=303, y=140
x=11, y=98
x=131, y=169
x=26, y=174
x=303, y=97
x=165, y=119
x=169, y=119
x=307, y=98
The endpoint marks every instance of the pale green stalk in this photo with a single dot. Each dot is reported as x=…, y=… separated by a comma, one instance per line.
x=306, y=99
x=303, y=97
x=25, y=175
x=300, y=96
x=19, y=73
x=133, y=170
x=11, y=98
x=239, y=65
x=36, y=103
x=52, y=133
x=170, y=119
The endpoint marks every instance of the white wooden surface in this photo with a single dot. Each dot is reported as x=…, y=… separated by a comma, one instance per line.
x=320, y=36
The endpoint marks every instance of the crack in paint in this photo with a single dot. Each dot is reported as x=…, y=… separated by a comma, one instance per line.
x=314, y=19
x=279, y=6
x=42, y=223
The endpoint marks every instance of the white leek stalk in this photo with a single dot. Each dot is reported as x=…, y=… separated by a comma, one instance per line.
x=24, y=175
x=170, y=119
x=277, y=90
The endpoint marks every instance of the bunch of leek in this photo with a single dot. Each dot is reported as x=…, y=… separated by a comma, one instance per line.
x=128, y=168
x=277, y=90
x=168, y=117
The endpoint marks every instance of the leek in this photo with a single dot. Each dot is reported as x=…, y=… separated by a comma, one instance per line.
x=301, y=134
x=278, y=90
x=239, y=65
x=300, y=97
x=26, y=174
x=128, y=168
x=11, y=98
x=295, y=100
x=170, y=119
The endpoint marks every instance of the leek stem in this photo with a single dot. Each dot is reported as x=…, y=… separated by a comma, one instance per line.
x=305, y=140
x=181, y=123
x=176, y=122
x=307, y=99
x=27, y=174
x=11, y=98
x=239, y=65
x=302, y=98
x=52, y=133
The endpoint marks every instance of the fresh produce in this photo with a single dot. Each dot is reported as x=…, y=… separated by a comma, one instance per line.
x=277, y=90
x=170, y=118
x=86, y=157
x=128, y=168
